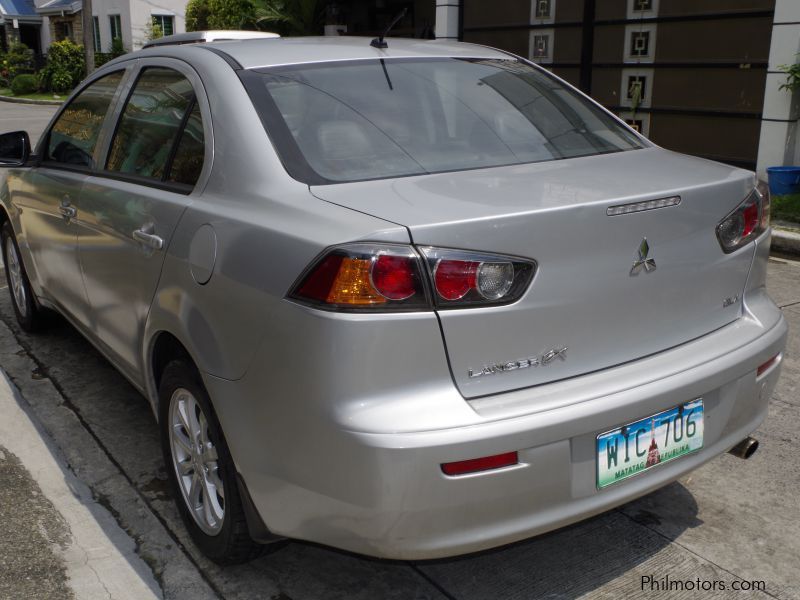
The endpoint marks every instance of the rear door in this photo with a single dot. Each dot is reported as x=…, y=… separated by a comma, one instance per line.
x=132, y=206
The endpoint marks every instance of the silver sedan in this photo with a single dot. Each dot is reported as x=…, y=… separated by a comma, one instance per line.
x=411, y=301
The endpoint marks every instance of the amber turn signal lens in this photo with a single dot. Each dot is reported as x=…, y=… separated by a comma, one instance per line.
x=352, y=284
x=365, y=276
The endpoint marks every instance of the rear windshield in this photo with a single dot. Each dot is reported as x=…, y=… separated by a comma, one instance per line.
x=374, y=119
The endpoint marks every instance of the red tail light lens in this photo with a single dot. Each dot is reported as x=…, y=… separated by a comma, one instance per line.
x=766, y=203
x=365, y=277
x=746, y=222
x=454, y=278
x=462, y=278
x=395, y=277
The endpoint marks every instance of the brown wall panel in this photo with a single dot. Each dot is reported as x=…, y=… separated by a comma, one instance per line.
x=710, y=89
x=567, y=45
x=482, y=13
x=569, y=10
x=515, y=41
x=606, y=86
x=740, y=40
x=695, y=7
x=717, y=137
x=610, y=9
x=609, y=43
x=572, y=76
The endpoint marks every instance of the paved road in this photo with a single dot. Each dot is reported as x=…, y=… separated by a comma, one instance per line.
x=26, y=117
x=730, y=521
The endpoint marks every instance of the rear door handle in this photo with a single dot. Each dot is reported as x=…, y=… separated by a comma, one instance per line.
x=146, y=237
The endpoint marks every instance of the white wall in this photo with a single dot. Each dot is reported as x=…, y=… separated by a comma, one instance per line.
x=103, y=10
x=143, y=10
x=778, y=142
x=136, y=15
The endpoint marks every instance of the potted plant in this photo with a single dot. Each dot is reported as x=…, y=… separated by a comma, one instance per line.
x=785, y=180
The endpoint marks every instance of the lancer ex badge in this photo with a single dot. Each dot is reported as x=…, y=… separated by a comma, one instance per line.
x=526, y=363
x=644, y=260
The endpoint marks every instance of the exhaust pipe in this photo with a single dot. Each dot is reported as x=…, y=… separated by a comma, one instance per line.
x=745, y=449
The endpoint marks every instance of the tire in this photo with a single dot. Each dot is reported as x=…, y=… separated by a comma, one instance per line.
x=203, y=483
x=29, y=315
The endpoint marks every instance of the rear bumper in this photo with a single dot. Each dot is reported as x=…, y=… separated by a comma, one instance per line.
x=355, y=478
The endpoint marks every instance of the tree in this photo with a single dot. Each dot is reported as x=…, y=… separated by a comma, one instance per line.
x=197, y=12
x=88, y=35
x=290, y=17
x=230, y=14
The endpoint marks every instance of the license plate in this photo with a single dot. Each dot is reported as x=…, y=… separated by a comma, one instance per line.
x=637, y=447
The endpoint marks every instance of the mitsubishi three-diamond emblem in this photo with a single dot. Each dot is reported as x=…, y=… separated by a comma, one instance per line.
x=649, y=264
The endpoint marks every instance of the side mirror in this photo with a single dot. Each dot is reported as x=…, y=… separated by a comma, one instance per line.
x=15, y=149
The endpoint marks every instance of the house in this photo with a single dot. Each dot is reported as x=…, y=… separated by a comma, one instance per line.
x=129, y=20
x=38, y=23
x=19, y=22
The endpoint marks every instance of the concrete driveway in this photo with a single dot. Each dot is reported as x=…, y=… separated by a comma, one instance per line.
x=730, y=523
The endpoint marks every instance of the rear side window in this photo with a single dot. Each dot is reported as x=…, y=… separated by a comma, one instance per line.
x=160, y=132
x=74, y=135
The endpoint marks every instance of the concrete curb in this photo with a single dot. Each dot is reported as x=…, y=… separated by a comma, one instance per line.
x=100, y=558
x=786, y=241
x=31, y=101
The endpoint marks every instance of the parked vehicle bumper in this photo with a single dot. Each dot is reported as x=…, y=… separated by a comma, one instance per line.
x=357, y=477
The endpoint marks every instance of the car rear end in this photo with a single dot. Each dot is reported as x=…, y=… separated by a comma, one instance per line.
x=576, y=318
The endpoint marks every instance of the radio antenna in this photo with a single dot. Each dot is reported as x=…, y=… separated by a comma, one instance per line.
x=379, y=42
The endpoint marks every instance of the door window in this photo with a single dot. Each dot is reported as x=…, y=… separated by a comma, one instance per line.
x=160, y=133
x=74, y=135
x=188, y=160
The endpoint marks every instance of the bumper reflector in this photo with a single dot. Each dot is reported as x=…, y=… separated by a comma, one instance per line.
x=474, y=465
x=765, y=367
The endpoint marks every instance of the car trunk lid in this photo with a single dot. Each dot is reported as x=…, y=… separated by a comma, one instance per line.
x=585, y=296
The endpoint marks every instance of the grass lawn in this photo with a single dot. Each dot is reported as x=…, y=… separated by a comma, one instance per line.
x=786, y=208
x=36, y=96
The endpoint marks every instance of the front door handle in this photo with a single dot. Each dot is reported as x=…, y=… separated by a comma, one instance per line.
x=148, y=238
x=66, y=209
x=68, y=212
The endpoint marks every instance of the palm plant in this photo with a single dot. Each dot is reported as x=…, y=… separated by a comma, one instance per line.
x=290, y=17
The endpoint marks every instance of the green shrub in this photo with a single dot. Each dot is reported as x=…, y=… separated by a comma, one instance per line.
x=230, y=14
x=18, y=59
x=65, y=66
x=117, y=48
x=24, y=84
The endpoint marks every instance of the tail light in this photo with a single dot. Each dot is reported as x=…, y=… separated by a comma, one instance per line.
x=746, y=222
x=389, y=277
x=462, y=278
x=365, y=276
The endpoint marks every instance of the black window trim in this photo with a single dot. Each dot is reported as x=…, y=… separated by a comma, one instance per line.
x=44, y=145
x=298, y=167
x=38, y=160
x=161, y=184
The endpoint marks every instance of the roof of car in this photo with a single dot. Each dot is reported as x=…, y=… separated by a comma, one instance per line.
x=254, y=53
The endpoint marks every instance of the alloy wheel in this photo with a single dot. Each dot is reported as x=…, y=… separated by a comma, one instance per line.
x=196, y=462
x=15, y=275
